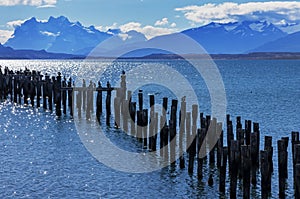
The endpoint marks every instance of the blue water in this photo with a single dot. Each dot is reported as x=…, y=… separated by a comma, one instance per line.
x=42, y=156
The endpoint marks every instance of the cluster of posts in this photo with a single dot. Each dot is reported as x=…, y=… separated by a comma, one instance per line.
x=177, y=135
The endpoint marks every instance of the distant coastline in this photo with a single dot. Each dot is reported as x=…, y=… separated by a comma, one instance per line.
x=250, y=56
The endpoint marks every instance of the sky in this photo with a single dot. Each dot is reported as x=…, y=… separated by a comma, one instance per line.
x=151, y=17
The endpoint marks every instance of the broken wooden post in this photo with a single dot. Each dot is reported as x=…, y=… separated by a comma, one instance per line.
x=264, y=169
x=64, y=96
x=144, y=127
x=281, y=158
x=70, y=96
x=45, y=91
x=132, y=110
x=108, y=103
x=254, y=157
x=223, y=170
x=57, y=90
x=140, y=98
x=182, y=116
x=84, y=95
x=173, y=124
x=233, y=169
x=201, y=137
x=246, y=165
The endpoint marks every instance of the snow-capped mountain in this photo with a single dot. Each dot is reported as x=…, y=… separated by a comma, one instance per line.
x=59, y=35
x=236, y=37
x=289, y=43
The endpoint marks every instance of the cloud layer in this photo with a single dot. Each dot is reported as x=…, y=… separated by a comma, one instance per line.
x=148, y=30
x=37, y=3
x=272, y=11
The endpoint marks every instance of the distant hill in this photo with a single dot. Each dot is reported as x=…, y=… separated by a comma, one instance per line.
x=9, y=53
x=289, y=43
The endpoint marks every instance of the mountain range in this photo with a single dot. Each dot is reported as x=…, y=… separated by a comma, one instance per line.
x=59, y=35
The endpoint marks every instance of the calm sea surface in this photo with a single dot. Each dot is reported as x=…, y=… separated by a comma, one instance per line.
x=42, y=156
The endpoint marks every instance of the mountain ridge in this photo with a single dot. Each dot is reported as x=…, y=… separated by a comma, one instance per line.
x=59, y=35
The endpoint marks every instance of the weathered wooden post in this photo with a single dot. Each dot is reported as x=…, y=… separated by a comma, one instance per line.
x=264, y=169
x=230, y=135
x=212, y=134
x=151, y=125
x=117, y=110
x=220, y=144
x=248, y=131
x=64, y=96
x=84, y=94
x=256, y=130
x=281, y=158
x=108, y=103
x=140, y=98
x=90, y=96
x=50, y=95
x=192, y=147
x=200, y=137
x=45, y=91
x=15, y=87
x=182, y=116
x=246, y=164
x=297, y=169
x=253, y=144
x=25, y=91
x=297, y=181
x=32, y=90
x=139, y=125
x=99, y=100
x=234, y=166
x=144, y=127
x=38, y=90
x=70, y=96
x=57, y=90
x=295, y=139
x=132, y=110
x=173, y=124
x=223, y=169
x=269, y=148
x=188, y=130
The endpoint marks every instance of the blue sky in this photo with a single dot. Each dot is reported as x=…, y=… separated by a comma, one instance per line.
x=152, y=17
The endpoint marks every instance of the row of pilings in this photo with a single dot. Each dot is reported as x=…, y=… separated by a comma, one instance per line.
x=177, y=136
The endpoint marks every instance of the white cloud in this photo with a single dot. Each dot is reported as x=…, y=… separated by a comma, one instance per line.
x=272, y=11
x=162, y=22
x=106, y=28
x=36, y=3
x=5, y=35
x=148, y=31
x=173, y=25
x=13, y=24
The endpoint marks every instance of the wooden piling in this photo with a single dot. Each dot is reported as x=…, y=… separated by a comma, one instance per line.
x=144, y=127
x=281, y=164
x=182, y=116
x=246, y=165
x=108, y=103
x=57, y=90
x=254, y=145
x=140, y=98
x=64, y=96
x=223, y=169
x=233, y=169
x=201, y=137
x=264, y=169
